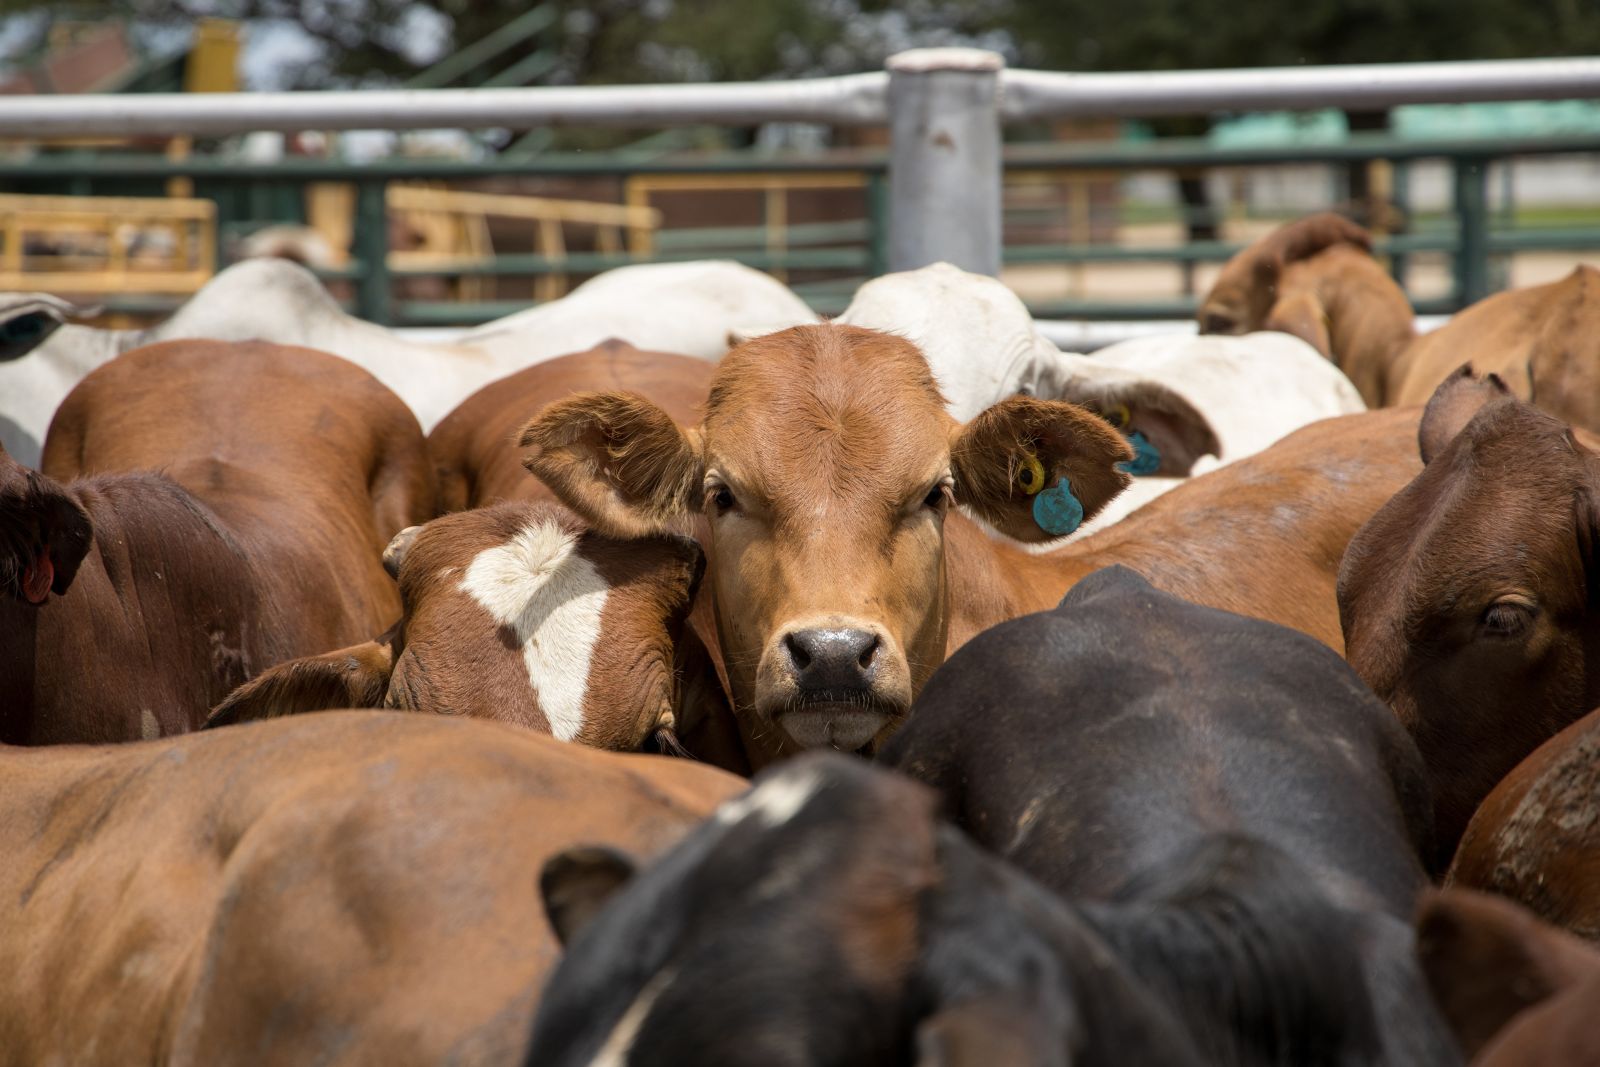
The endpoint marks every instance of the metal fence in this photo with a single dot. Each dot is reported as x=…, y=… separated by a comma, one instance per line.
x=935, y=195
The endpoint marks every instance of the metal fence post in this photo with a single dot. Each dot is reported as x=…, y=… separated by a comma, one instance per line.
x=1472, y=215
x=372, y=252
x=944, y=158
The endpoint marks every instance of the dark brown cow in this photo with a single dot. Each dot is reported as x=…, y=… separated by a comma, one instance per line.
x=519, y=614
x=473, y=447
x=1517, y=992
x=1468, y=600
x=1536, y=839
x=351, y=888
x=1316, y=278
x=239, y=498
x=826, y=466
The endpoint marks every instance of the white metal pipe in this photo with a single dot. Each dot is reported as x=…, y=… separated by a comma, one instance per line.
x=944, y=159
x=1035, y=94
x=856, y=99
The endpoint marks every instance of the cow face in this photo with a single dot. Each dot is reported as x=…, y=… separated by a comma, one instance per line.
x=1466, y=600
x=514, y=613
x=44, y=534
x=826, y=467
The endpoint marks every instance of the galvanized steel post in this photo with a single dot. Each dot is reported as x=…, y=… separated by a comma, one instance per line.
x=944, y=158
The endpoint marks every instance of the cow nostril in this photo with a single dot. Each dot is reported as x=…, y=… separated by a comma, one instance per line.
x=869, y=652
x=797, y=652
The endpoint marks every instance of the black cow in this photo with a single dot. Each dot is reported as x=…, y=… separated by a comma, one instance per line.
x=827, y=918
x=1245, y=808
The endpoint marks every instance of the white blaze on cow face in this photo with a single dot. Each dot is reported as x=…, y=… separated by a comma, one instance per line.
x=552, y=598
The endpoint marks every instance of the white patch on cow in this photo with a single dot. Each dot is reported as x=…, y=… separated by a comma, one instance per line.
x=618, y=1046
x=773, y=803
x=552, y=597
x=149, y=728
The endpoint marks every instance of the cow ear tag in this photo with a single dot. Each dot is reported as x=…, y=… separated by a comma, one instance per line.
x=1057, y=511
x=1030, y=475
x=1146, y=456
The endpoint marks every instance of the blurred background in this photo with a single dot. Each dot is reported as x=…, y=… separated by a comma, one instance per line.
x=1104, y=219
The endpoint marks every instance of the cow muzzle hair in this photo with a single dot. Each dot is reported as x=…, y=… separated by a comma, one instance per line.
x=834, y=683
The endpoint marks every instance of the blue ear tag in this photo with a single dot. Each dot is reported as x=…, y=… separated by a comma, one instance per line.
x=1146, y=456
x=1057, y=511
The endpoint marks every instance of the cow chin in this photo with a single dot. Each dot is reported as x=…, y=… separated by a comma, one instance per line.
x=847, y=725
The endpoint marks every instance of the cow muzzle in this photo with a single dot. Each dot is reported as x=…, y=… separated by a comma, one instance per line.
x=835, y=684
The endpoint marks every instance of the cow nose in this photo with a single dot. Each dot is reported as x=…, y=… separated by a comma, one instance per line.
x=825, y=659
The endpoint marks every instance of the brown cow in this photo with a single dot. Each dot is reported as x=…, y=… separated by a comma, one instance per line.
x=1543, y=341
x=826, y=466
x=519, y=614
x=239, y=498
x=1536, y=839
x=1467, y=600
x=472, y=447
x=1316, y=278
x=1517, y=992
x=351, y=888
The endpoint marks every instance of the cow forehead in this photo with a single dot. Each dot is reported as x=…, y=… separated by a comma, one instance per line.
x=835, y=408
x=1497, y=508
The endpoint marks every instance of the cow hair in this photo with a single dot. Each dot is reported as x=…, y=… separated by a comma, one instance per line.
x=1067, y=440
x=1307, y=237
x=1256, y=961
x=617, y=460
x=37, y=513
x=342, y=679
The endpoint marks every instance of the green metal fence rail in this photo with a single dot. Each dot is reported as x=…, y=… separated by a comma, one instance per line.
x=857, y=247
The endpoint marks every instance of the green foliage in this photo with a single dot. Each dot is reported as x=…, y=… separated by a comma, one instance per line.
x=1197, y=34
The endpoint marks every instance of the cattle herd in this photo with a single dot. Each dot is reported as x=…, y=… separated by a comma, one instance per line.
x=1160, y=706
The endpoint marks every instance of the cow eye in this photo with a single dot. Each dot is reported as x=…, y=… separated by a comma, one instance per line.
x=721, y=498
x=1507, y=618
x=938, y=497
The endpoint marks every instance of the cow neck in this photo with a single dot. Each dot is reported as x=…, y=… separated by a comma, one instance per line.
x=1370, y=324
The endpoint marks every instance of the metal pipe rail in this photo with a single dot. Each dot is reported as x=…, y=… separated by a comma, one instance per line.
x=1037, y=94
x=854, y=99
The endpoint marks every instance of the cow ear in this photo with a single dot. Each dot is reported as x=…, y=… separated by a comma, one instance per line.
x=618, y=460
x=354, y=677
x=394, y=555
x=1037, y=469
x=1486, y=959
x=1302, y=315
x=30, y=318
x=999, y=1028
x=1172, y=433
x=44, y=533
x=1453, y=404
x=576, y=884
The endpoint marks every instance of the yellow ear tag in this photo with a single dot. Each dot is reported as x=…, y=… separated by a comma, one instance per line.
x=1030, y=476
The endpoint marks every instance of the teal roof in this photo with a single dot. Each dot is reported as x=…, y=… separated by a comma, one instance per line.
x=1418, y=122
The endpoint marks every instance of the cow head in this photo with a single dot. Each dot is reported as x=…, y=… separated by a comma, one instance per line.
x=825, y=467
x=515, y=613
x=1468, y=601
x=44, y=534
x=1248, y=294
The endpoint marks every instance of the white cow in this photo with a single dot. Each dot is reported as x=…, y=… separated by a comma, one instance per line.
x=688, y=308
x=1252, y=390
x=1200, y=401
